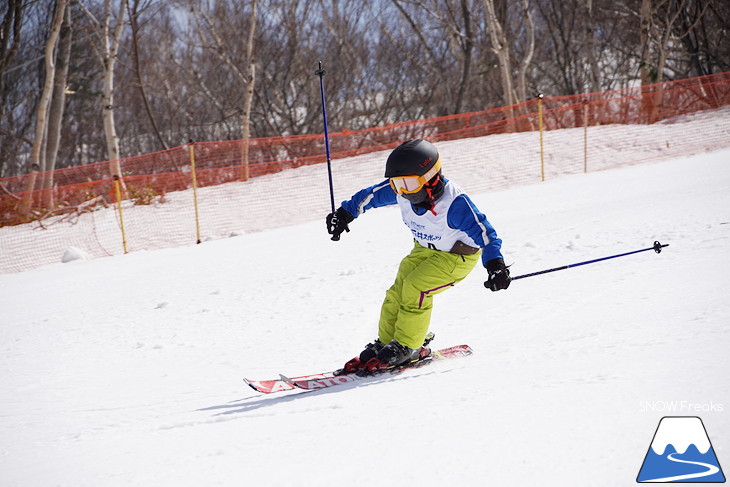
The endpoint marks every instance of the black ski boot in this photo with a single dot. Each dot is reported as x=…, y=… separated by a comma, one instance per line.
x=357, y=363
x=369, y=361
x=394, y=354
x=371, y=350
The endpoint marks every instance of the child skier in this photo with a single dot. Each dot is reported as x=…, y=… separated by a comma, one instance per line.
x=448, y=232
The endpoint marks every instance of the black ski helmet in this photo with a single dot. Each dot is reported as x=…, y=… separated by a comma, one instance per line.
x=411, y=158
x=417, y=157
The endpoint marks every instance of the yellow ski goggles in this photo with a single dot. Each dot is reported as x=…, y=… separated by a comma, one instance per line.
x=413, y=184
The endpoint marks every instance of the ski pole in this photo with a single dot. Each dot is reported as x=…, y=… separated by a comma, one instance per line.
x=656, y=248
x=321, y=72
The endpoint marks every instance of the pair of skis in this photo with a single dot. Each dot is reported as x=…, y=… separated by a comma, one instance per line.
x=329, y=379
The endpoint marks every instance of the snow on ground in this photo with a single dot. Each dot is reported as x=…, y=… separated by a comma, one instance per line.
x=128, y=370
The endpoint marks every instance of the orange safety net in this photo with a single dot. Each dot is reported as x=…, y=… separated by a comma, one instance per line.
x=78, y=205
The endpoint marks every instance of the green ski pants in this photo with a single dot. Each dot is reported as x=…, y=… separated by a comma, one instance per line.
x=406, y=311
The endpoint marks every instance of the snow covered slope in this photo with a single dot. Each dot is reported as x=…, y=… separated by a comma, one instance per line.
x=127, y=370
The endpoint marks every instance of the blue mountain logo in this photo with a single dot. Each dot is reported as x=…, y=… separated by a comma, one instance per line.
x=681, y=452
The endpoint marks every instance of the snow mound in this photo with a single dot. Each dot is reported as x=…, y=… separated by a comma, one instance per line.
x=74, y=253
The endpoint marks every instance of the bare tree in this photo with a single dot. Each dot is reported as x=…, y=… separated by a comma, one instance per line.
x=466, y=44
x=10, y=36
x=229, y=70
x=287, y=94
x=135, y=12
x=701, y=22
x=56, y=109
x=501, y=48
x=250, y=84
x=212, y=30
x=220, y=66
x=111, y=41
x=433, y=21
x=590, y=48
x=665, y=24
x=524, y=63
x=502, y=44
x=660, y=29
x=37, y=156
x=109, y=37
x=564, y=40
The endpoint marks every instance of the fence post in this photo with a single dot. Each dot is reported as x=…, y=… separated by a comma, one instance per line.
x=540, y=125
x=195, y=189
x=118, y=191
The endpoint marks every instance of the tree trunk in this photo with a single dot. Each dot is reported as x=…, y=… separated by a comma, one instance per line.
x=501, y=49
x=111, y=47
x=37, y=155
x=58, y=102
x=250, y=81
x=134, y=24
x=590, y=48
x=644, y=62
x=525, y=63
x=11, y=28
x=670, y=19
x=467, y=48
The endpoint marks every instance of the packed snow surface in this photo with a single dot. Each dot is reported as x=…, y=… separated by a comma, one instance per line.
x=128, y=370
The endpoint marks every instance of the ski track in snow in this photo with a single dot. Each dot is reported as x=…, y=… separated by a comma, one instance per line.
x=128, y=370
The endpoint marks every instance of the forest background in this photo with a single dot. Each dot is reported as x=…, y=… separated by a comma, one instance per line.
x=84, y=81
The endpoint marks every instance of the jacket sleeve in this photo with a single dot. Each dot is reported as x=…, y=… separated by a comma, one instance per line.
x=375, y=196
x=465, y=216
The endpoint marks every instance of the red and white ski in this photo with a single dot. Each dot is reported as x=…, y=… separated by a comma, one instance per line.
x=329, y=379
x=278, y=385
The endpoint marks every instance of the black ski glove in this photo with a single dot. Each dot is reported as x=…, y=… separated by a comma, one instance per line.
x=337, y=222
x=498, y=275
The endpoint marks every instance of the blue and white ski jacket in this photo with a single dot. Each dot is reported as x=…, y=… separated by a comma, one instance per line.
x=454, y=218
